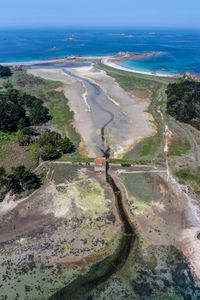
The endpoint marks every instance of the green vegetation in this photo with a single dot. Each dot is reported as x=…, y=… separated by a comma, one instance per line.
x=130, y=81
x=29, y=131
x=52, y=145
x=179, y=146
x=190, y=175
x=91, y=196
x=183, y=101
x=19, y=141
x=3, y=177
x=19, y=110
x=76, y=159
x=128, y=161
x=33, y=155
x=12, y=154
x=169, y=295
x=54, y=99
x=150, y=145
x=5, y=71
x=19, y=181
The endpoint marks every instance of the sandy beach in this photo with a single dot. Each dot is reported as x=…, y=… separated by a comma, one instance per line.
x=108, y=60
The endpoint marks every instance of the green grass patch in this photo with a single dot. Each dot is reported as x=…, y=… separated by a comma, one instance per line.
x=59, y=116
x=128, y=161
x=13, y=155
x=5, y=140
x=131, y=80
x=63, y=172
x=192, y=177
x=179, y=146
x=22, y=80
x=33, y=154
x=150, y=145
x=62, y=116
x=77, y=159
x=189, y=175
x=91, y=196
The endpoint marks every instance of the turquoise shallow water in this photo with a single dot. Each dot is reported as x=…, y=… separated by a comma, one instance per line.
x=181, y=47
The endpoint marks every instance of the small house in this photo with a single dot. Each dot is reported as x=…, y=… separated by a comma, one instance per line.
x=100, y=164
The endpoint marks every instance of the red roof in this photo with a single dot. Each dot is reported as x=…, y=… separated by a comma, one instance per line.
x=100, y=161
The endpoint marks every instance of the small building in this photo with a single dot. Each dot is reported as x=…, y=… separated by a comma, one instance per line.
x=100, y=164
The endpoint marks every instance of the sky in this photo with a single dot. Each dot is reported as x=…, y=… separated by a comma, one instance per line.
x=95, y=13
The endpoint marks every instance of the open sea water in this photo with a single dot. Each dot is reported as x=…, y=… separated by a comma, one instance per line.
x=181, y=47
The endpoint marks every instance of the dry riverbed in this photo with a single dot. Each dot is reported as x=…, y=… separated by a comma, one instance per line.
x=99, y=102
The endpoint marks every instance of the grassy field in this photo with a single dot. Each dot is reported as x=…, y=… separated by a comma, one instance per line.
x=191, y=177
x=131, y=80
x=12, y=155
x=179, y=146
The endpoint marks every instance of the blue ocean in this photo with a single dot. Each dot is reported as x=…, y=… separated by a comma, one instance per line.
x=181, y=48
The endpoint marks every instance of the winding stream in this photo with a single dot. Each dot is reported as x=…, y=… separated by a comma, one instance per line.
x=110, y=265
x=103, y=110
x=104, y=116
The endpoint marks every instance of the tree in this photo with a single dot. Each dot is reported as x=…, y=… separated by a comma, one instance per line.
x=5, y=71
x=29, y=131
x=3, y=177
x=32, y=182
x=66, y=146
x=19, y=110
x=49, y=152
x=50, y=137
x=11, y=114
x=39, y=115
x=53, y=145
x=183, y=101
x=21, y=180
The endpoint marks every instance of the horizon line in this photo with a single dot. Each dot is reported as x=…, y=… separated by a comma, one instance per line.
x=97, y=27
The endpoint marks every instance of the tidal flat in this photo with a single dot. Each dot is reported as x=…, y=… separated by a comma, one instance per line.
x=132, y=235
x=57, y=234
x=99, y=102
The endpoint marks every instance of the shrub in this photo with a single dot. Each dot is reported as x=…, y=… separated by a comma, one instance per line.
x=49, y=152
x=5, y=71
x=183, y=101
x=53, y=145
